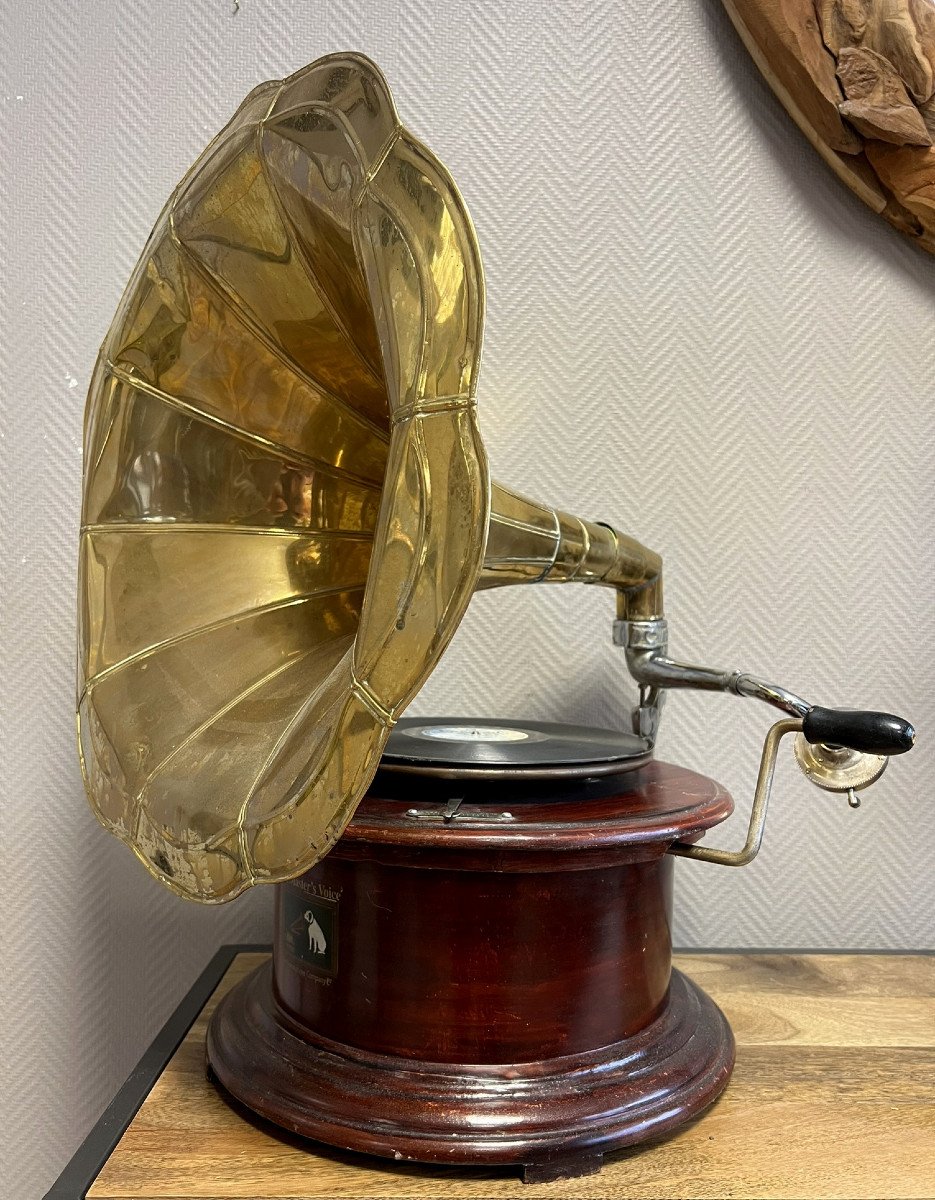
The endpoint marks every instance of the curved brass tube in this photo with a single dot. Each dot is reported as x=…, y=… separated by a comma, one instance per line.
x=528, y=542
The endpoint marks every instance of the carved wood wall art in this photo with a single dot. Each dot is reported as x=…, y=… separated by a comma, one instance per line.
x=858, y=77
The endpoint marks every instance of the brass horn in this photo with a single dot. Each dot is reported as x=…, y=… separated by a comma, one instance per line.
x=286, y=499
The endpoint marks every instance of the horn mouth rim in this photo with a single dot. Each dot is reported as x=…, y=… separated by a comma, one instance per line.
x=441, y=435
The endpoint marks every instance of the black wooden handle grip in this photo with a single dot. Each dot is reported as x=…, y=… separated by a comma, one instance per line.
x=869, y=732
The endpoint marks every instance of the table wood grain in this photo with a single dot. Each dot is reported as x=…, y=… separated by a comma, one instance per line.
x=833, y=1095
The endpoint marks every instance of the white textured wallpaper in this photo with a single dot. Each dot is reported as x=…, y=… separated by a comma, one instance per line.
x=694, y=332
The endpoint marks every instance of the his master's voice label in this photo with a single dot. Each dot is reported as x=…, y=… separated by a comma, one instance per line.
x=310, y=918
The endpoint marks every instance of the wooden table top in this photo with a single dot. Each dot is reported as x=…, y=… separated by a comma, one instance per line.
x=833, y=1096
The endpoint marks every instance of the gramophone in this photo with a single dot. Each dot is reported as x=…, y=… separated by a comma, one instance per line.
x=287, y=510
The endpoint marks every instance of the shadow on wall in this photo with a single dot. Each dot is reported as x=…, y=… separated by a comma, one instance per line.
x=123, y=982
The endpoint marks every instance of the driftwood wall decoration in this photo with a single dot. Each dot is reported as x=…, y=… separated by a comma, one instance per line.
x=858, y=77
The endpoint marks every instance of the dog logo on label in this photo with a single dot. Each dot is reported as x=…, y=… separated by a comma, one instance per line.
x=310, y=927
x=317, y=942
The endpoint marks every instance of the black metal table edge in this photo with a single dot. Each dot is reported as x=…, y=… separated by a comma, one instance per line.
x=89, y=1159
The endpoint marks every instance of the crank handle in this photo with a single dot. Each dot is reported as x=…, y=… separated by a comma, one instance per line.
x=856, y=757
x=764, y=783
x=866, y=732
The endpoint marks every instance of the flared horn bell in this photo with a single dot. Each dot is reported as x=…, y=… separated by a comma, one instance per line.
x=286, y=498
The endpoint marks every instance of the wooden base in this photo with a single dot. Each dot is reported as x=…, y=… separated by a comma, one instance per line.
x=556, y=1118
x=487, y=990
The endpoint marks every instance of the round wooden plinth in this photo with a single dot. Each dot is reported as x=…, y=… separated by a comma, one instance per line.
x=492, y=987
x=555, y=1117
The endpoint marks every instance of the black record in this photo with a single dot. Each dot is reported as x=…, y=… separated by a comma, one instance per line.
x=489, y=745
